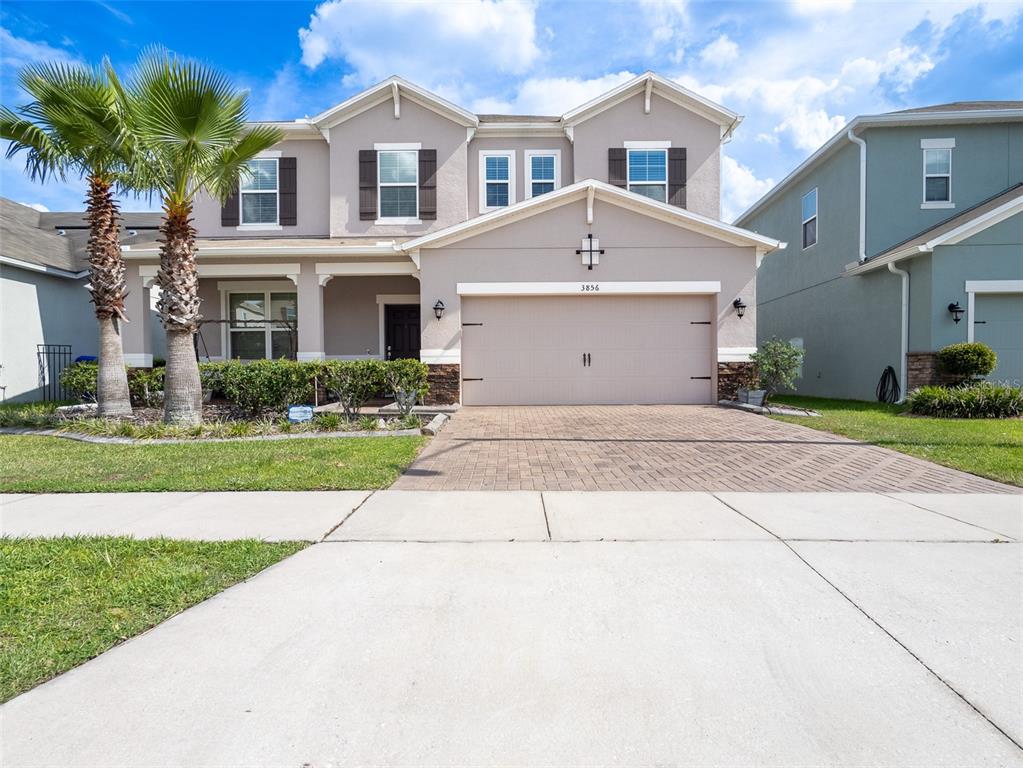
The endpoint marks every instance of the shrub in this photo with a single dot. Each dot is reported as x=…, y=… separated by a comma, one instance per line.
x=328, y=422
x=353, y=382
x=777, y=363
x=967, y=360
x=407, y=382
x=267, y=384
x=983, y=400
x=144, y=384
x=211, y=376
x=80, y=381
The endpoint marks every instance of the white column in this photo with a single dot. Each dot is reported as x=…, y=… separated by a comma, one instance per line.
x=135, y=335
x=310, y=313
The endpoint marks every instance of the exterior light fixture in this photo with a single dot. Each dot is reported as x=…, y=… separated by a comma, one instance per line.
x=740, y=307
x=956, y=310
x=438, y=309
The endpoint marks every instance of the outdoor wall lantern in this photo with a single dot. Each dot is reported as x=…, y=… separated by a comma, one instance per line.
x=438, y=309
x=956, y=310
x=740, y=307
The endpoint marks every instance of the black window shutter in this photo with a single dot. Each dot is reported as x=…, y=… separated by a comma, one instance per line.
x=367, y=184
x=229, y=210
x=616, y=172
x=677, y=176
x=428, y=184
x=287, y=181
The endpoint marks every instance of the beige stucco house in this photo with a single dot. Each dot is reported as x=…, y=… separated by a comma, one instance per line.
x=527, y=259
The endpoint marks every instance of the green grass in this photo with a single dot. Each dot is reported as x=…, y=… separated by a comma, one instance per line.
x=52, y=465
x=67, y=600
x=990, y=448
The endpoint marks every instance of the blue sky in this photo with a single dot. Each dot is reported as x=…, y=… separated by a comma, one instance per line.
x=797, y=70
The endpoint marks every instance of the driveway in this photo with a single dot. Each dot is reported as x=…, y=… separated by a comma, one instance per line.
x=579, y=629
x=663, y=448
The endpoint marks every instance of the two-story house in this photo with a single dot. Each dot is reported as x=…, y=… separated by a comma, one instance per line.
x=527, y=259
x=905, y=234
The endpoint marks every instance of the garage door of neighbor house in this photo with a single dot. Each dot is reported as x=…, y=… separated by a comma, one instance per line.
x=999, y=324
x=573, y=350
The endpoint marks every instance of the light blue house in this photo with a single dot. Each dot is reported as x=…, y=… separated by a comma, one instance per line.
x=905, y=234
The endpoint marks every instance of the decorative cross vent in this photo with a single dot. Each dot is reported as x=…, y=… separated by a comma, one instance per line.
x=590, y=251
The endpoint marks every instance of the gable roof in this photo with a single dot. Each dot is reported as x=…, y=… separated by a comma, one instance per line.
x=650, y=82
x=590, y=189
x=950, y=231
x=939, y=114
x=395, y=88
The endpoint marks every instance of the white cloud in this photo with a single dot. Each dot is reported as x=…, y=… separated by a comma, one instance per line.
x=554, y=95
x=740, y=187
x=720, y=52
x=820, y=7
x=432, y=41
x=17, y=52
x=808, y=129
x=35, y=206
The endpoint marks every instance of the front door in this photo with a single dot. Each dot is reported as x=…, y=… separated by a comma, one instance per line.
x=401, y=331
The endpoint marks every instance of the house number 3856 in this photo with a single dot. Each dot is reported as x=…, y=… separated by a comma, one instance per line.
x=589, y=287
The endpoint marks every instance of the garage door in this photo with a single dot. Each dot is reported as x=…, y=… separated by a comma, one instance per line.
x=999, y=324
x=567, y=350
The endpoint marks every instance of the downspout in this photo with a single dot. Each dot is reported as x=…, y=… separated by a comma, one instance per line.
x=905, y=328
x=863, y=192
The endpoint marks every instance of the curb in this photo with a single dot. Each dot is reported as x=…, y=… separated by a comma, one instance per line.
x=113, y=440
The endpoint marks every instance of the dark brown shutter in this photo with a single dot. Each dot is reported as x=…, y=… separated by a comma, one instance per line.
x=230, y=210
x=617, y=175
x=367, y=184
x=677, y=176
x=287, y=181
x=428, y=184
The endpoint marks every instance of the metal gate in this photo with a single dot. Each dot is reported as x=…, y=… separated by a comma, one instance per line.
x=52, y=360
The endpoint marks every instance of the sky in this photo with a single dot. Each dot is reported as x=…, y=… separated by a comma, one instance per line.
x=797, y=70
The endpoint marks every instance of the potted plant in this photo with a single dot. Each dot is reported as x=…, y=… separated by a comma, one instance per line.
x=778, y=363
x=748, y=379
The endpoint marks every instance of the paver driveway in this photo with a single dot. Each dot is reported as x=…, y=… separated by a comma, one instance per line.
x=663, y=448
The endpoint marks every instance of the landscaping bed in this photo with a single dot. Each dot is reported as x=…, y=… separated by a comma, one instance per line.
x=66, y=600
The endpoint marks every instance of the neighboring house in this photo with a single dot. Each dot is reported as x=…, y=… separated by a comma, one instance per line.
x=896, y=224
x=46, y=318
x=526, y=259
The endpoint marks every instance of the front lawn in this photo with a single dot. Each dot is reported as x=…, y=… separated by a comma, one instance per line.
x=52, y=465
x=67, y=600
x=990, y=448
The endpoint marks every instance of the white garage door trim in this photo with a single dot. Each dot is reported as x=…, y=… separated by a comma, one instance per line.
x=594, y=287
x=973, y=287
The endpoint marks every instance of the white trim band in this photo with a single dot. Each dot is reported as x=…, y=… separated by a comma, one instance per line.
x=138, y=360
x=366, y=268
x=735, y=354
x=440, y=356
x=589, y=288
x=994, y=286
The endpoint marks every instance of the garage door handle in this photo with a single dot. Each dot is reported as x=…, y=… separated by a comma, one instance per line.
x=699, y=322
x=465, y=324
x=980, y=322
x=705, y=378
x=480, y=379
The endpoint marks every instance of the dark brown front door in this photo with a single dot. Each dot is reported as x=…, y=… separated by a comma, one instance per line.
x=401, y=331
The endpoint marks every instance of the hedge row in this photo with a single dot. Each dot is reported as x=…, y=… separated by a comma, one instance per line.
x=983, y=400
x=275, y=384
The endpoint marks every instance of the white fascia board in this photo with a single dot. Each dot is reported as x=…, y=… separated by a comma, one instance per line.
x=521, y=130
x=275, y=250
x=880, y=262
x=662, y=87
x=591, y=288
x=365, y=268
x=43, y=268
x=233, y=270
x=300, y=129
x=994, y=286
x=972, y=227
x=383, y=91
x=603, y=191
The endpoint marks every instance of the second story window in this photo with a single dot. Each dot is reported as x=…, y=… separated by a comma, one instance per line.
x=398, y=184
x=809, y=206
x=648, y=173
x=937, y=172
x=258, y=192
x=544, y=170
x=497, y=179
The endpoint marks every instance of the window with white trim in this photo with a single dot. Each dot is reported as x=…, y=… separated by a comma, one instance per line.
x=938, y=175
x=543, y=170
x=398, y=184
x=809, y=214
x=262, y=324
x=497, y=179
x=648, y=173
x=258, y=192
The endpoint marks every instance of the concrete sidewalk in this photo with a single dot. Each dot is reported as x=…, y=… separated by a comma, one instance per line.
x=518, y=516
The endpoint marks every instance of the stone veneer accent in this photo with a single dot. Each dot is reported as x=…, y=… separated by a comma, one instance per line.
x=729, y=375
x=445, y=384
x=922, y=370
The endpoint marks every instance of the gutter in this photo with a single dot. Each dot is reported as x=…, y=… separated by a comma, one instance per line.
x=904, y=335
x=863, y=192
x=32, y=267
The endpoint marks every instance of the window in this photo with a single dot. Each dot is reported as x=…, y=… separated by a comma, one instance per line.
x=810, y=218
x=398, y=184
x=256, y=333
x=938, y=175
x=648, y=173
x=258, y=192
x=543, y=168
x=497, y=179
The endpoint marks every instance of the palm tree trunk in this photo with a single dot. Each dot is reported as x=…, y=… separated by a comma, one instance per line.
x=179, y=310
x=108, y=288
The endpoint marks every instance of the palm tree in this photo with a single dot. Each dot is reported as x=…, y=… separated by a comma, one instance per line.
x=190, y=122
x=75, y=125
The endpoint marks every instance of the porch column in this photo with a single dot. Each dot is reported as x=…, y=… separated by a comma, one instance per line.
x=136, y=335
x=310, y=313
